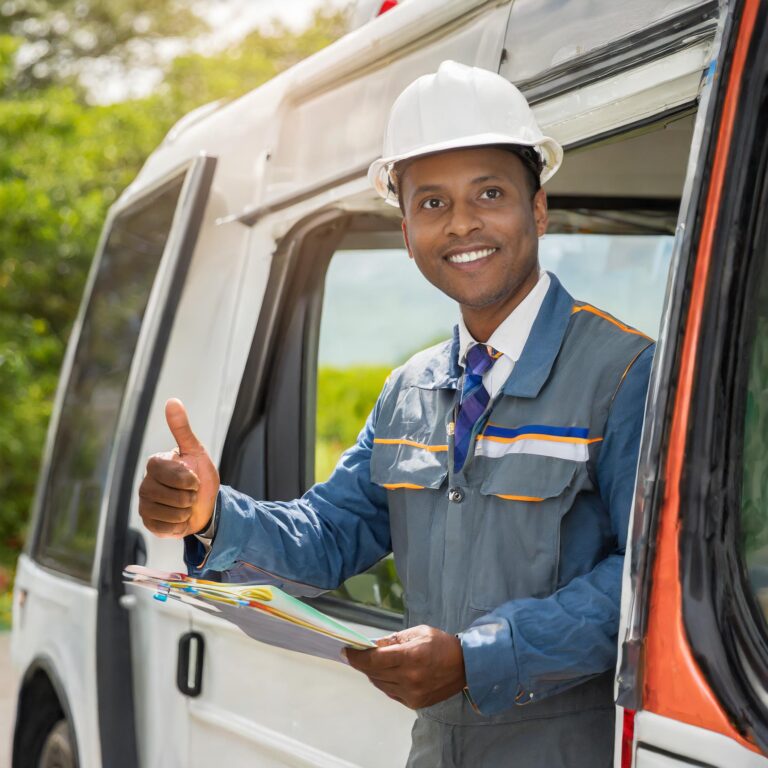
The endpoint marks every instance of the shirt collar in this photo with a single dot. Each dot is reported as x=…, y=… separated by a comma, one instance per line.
x=510, y=337
x=442, y=370
x=543, y=345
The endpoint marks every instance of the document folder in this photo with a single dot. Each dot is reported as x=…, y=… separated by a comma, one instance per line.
x=263, y=612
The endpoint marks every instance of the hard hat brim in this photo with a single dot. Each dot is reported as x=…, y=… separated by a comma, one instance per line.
x=379, y=170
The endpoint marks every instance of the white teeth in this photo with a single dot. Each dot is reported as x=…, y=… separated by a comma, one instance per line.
x=463, y=258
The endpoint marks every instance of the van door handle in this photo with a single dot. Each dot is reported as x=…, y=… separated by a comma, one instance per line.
x=189, y=672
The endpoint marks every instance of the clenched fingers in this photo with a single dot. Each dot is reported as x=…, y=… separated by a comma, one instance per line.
x=153, y=490
x=151, y=510
x=393, y=691
x=168, y=469
x=165, y=530
x=376, y=660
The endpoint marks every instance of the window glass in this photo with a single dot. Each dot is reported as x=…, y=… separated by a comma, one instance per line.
x=754, y=513
x=624, y=275
x=378, y=310
x=96, y=385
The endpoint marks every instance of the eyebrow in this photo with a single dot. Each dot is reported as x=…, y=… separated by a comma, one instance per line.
x=424, y=188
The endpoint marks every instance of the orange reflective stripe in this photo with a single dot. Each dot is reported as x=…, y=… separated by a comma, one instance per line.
x=595, y=311
x=511, y=497
x=393, y=486
x=412, y=443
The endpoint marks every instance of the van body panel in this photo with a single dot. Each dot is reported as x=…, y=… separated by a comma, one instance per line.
x=631, y=97
x=669, y=743
x=314, y=146
x=537, y=40
x=278, y=708
x=285, y=140
x=162, y=715
x=60, y=614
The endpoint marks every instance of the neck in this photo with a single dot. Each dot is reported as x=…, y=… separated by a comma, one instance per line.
x=481, y=322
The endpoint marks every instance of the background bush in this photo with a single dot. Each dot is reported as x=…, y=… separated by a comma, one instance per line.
x=63, y=162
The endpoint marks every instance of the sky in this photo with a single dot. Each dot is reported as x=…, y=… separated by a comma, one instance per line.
x=230, y=20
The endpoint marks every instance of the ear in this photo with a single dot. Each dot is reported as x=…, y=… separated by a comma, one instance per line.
x=540, y=212
x=405, y=237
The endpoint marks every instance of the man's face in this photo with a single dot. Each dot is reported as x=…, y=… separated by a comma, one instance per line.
x=472, y=227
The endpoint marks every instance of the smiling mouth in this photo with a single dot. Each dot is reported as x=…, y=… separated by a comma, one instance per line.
x=468, y=256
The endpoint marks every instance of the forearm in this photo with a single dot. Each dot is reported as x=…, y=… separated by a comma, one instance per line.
x=308, y=540
x=529, y=649
x=335, y=530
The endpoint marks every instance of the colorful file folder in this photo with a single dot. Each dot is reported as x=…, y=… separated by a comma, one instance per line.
x=263, y=612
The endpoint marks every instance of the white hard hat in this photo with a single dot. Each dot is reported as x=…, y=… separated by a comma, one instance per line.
x=454, y=108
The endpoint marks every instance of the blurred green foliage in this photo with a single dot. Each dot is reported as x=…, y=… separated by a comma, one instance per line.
x=62, y=164
x=345, y=397
x=754, y=496
x=65, y=36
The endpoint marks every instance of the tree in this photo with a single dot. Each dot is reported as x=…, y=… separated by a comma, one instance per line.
x=63, y=36
x=62, y=164
x=193, y=79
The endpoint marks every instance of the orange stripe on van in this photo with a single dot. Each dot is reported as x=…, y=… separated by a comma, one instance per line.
x=674, y=685
x=412, y=443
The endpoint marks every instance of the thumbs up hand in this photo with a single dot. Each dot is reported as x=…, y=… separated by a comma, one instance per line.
x=178, y=493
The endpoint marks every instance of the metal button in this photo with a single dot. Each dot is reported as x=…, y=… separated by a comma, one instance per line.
x=456, y=495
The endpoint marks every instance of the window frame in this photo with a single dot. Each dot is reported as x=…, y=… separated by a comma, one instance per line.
x=727, y=632
x=268, y=430
x=117, y=543
x=35, y=547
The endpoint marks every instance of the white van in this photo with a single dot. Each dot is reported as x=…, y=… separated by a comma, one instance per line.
x=250, y=265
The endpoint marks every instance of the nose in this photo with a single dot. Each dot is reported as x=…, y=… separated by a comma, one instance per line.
x=463, y=220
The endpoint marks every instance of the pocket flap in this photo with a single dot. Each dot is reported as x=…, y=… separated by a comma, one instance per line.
x=527, y=477
x=406, y=463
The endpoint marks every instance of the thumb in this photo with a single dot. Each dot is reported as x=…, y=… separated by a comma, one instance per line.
x=392, y=639
x=178, y=423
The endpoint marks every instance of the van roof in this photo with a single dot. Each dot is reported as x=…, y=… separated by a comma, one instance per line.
x=321, y=121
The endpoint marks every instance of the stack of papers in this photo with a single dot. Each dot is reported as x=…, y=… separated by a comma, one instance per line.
x=264, y=613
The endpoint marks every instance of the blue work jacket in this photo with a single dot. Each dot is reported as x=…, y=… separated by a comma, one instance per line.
x=587, y=371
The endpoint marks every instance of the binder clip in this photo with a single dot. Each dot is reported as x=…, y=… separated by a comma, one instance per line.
x=162, y=592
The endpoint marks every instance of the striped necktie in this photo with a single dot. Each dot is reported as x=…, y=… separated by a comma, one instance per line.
x=474, y=399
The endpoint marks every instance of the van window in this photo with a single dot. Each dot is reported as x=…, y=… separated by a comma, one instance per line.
x=378, y=310
x=754, y=498
x=94, y=392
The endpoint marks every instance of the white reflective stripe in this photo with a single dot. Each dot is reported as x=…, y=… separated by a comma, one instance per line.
x=495, y=449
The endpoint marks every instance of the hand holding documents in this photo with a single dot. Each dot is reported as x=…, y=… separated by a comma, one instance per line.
x=264, y=613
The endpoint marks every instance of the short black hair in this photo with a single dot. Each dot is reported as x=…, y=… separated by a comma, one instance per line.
x=529, y=156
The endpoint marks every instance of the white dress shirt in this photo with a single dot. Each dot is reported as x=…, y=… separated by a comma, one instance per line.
x=509, y=338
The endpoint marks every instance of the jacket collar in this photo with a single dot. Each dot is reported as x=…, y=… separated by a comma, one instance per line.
x=533, y=368
x=531, y=371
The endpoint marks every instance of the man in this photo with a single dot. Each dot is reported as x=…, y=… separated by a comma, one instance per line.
x=498, y=467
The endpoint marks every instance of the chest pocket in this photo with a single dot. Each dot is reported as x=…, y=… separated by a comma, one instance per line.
x=415, y=476
x=514, y=525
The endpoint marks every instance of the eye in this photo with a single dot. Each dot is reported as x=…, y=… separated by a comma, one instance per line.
x=492, y=193
x=431, y=203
